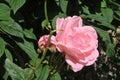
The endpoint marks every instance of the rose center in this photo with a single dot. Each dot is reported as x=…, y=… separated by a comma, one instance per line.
x=80, y=41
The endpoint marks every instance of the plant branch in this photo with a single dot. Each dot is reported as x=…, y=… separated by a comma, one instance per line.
x=43, y=56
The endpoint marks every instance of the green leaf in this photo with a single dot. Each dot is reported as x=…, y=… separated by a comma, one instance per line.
x=97, y=17
x=44, y=24
x=115, y=3
x=43, y=73
x=27, y=73
x=36, y=61
x=86, y=9
x=14, y=71
x=118, y=13
x=108, y=13
x=108, y=25
x=56, y=76
x=103, y=4
x=103, y=20
x=117, y=18
x=57, y=2
x=80, y=2
x=103, y=34
x=28, y=47
x=110, y=51
x=12, y=28
x=16, y=4
x=38, y=72
x=63, y=5
x=2, y=46
x=4, y=12
x=8, y=54
x=29, y=34
x=5, y=76
x=108, y=44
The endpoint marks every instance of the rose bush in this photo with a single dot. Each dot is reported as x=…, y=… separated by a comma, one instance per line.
x=78, y=43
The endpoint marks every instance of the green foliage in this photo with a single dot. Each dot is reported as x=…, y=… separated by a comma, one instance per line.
x=8, y=54
x=28, y=48
x=44, y=24
x=63, y=5
x=118, y=13
x=110, y=47
x=18, y=39
x=108, y=14
x=11, y=28
x=16, y=72
x=15, y=4
x=5, y=77
x=29, y=34
x=42, y=72
x=4, y=12
x=2, y=46
x=85, y=10
x=56, y=76
x=12, y=36
x=103, y=4
x=103, y=21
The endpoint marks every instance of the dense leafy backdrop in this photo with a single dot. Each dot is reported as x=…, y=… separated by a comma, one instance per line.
x=22, y=22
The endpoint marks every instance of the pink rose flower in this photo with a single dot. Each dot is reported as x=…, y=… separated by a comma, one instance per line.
x=78, y=43
x=42, y=43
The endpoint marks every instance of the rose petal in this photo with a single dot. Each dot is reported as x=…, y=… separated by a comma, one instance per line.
x=43, y=41
x=75, y=66
x=91, y=58
x=78, y=43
